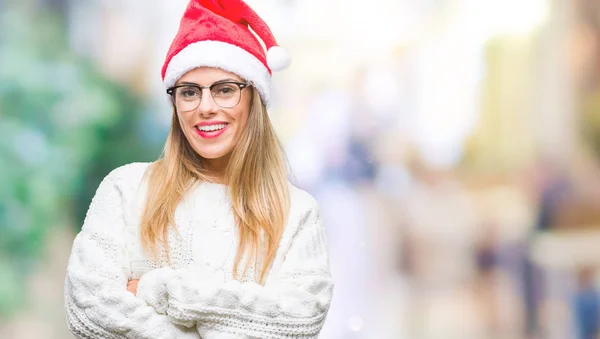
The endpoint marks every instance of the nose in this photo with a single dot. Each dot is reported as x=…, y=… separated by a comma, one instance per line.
x=207, y=104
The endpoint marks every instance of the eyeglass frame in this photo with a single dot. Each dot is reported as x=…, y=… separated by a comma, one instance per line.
x=241, y=85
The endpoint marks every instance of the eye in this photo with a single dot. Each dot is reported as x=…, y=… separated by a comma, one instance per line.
x=225, y=90
x=188, y=92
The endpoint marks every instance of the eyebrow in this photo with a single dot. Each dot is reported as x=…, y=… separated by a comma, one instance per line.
x=216, y=82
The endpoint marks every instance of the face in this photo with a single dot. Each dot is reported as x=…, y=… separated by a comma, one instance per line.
x=211, y=130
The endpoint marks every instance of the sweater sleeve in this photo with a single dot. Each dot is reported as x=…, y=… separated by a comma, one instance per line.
x=293, y=303
x=97, y=302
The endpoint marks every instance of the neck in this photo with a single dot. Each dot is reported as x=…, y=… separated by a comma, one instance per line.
x=216, y=168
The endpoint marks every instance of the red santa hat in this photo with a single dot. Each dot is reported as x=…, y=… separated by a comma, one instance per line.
x=216, y=33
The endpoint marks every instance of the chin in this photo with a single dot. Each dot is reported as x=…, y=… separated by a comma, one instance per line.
x=212, y=154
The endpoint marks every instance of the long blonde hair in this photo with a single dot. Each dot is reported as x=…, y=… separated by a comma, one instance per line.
x=257, y=178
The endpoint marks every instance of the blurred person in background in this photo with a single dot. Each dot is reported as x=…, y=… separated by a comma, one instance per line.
x=209, y=241
x=552, y=186
x=486, y=280
x=586, y=305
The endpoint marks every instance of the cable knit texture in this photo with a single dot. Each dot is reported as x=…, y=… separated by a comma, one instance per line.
x=194, y=295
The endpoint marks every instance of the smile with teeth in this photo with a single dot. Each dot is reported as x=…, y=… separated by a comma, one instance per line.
x=211, y=128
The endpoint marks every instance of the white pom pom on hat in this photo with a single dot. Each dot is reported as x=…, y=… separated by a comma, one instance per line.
x=217, y=34
x=278, y=58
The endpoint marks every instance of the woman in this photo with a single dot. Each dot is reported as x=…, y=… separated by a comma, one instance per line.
x=210, y=241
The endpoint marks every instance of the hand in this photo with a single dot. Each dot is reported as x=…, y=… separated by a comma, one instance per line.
x=132, y=286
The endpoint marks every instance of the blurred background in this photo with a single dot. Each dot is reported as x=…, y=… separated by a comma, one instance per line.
x=453, y=145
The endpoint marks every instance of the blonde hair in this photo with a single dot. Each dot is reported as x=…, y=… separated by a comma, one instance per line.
x=257, y=178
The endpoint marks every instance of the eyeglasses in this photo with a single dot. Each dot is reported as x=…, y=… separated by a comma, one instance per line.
x=226, y=94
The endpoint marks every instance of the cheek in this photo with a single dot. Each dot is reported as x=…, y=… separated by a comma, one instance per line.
x=184, y=125
x=242, y=123
x=183, y=122
x=242, y=115
x=182, y=119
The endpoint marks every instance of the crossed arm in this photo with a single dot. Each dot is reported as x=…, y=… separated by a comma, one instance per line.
x=169, y=303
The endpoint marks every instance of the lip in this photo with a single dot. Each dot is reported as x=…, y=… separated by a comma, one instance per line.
x=211, y=135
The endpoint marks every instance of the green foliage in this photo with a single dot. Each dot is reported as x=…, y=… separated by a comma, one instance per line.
x=63, y=126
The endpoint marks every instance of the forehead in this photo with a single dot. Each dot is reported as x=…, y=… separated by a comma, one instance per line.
x=205, y=76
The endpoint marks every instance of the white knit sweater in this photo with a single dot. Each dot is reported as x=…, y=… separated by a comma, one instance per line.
x=195, y=296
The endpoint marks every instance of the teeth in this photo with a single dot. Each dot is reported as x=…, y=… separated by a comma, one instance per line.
x=210, y=128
